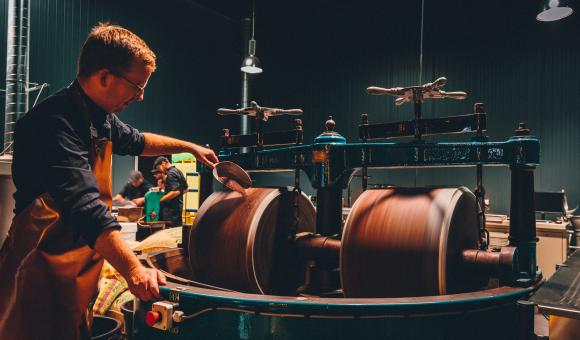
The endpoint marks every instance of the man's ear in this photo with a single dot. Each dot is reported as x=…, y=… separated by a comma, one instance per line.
x=104, y=77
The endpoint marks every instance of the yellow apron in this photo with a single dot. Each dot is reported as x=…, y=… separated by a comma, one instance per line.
x=47, y=275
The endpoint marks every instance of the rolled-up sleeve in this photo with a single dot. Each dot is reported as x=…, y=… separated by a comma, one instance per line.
x=68, y=178
x=126, y=139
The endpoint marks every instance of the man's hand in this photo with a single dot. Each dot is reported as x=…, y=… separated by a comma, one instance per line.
x=144, y=282
x=205, y=155
x=139, y=201
x=156, y=145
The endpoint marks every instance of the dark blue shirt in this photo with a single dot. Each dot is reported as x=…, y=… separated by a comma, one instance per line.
x=175, y=182
x=51, y=154
x=131, y=192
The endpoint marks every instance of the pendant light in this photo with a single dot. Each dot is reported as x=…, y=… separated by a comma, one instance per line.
x=251, y=64
x=551, y=11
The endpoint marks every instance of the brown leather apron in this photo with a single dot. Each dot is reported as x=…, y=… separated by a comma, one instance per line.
x=48, y=274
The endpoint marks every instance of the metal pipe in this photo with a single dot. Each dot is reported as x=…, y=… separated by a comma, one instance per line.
x=244, y=102
x=497, y=264
x=18, y=33
x=324, y=252
x=316, y=247
x=365, y=153
x=417, y=100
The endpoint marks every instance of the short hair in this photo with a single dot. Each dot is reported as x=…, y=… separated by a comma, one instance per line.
x=135, y=175
x=115, y=48
x=159, y=160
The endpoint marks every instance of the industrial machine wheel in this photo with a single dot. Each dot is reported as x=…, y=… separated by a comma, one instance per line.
x=403, y=242
x=243, y=242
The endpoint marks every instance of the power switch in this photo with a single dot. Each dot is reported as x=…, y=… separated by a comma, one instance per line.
x=161, y=315
x=152, y=318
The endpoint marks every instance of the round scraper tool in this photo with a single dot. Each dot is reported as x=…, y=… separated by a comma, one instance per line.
x=232, y=176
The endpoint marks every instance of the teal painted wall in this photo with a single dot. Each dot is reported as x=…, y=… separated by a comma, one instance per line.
x=198, y=61
x=328, y=53
x=321, y=56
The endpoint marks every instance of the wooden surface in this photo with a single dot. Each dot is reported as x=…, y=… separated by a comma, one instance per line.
x=551, y=247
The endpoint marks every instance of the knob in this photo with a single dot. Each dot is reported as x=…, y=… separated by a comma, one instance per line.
x=330, y=123
x=152, y=318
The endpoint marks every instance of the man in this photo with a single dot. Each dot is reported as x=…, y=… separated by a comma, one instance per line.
x=175, y=187
x=134, y=190
x=51, y=260
x=160, y=177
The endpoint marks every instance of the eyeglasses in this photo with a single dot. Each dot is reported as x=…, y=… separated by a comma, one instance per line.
x=138, y=89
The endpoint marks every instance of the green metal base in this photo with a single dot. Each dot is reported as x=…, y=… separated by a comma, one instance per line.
x=152, y=205
x=228, y=315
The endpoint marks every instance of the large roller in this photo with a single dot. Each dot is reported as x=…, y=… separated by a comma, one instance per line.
x=408, y=242
x=241, y=242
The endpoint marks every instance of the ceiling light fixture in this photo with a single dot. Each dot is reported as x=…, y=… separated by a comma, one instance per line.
x=251, y=64
x=552, y=12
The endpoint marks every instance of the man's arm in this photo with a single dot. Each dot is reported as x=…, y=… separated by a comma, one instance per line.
x=170, y=195
x=68, y=178
x=139, y=201
x=172, y=185
x=129, y=141
x=120, y=197
x=159, y=145
x=143, y=282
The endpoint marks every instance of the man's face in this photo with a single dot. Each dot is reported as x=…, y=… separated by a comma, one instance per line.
x=137, y=183
x=162, y=166
x=158, y=175
x=125, y=88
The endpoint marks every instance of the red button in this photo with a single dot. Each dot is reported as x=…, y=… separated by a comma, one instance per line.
x=151, y=318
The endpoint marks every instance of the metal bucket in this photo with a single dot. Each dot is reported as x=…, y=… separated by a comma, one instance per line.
x=105, y=328
x=128, y=310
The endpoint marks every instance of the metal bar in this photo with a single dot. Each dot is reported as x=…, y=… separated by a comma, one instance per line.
x=278, y=138
x=245, y=120
x=417, y=100
x=364, y=135
x=432, y=126
x=16, y=103
x=315, y=247
x=498, y=264
x=559, y=311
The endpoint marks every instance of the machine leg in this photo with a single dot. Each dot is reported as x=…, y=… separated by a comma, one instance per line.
x=523, y=223
x=329, y=211
x=525, y=320
x=323, y=273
